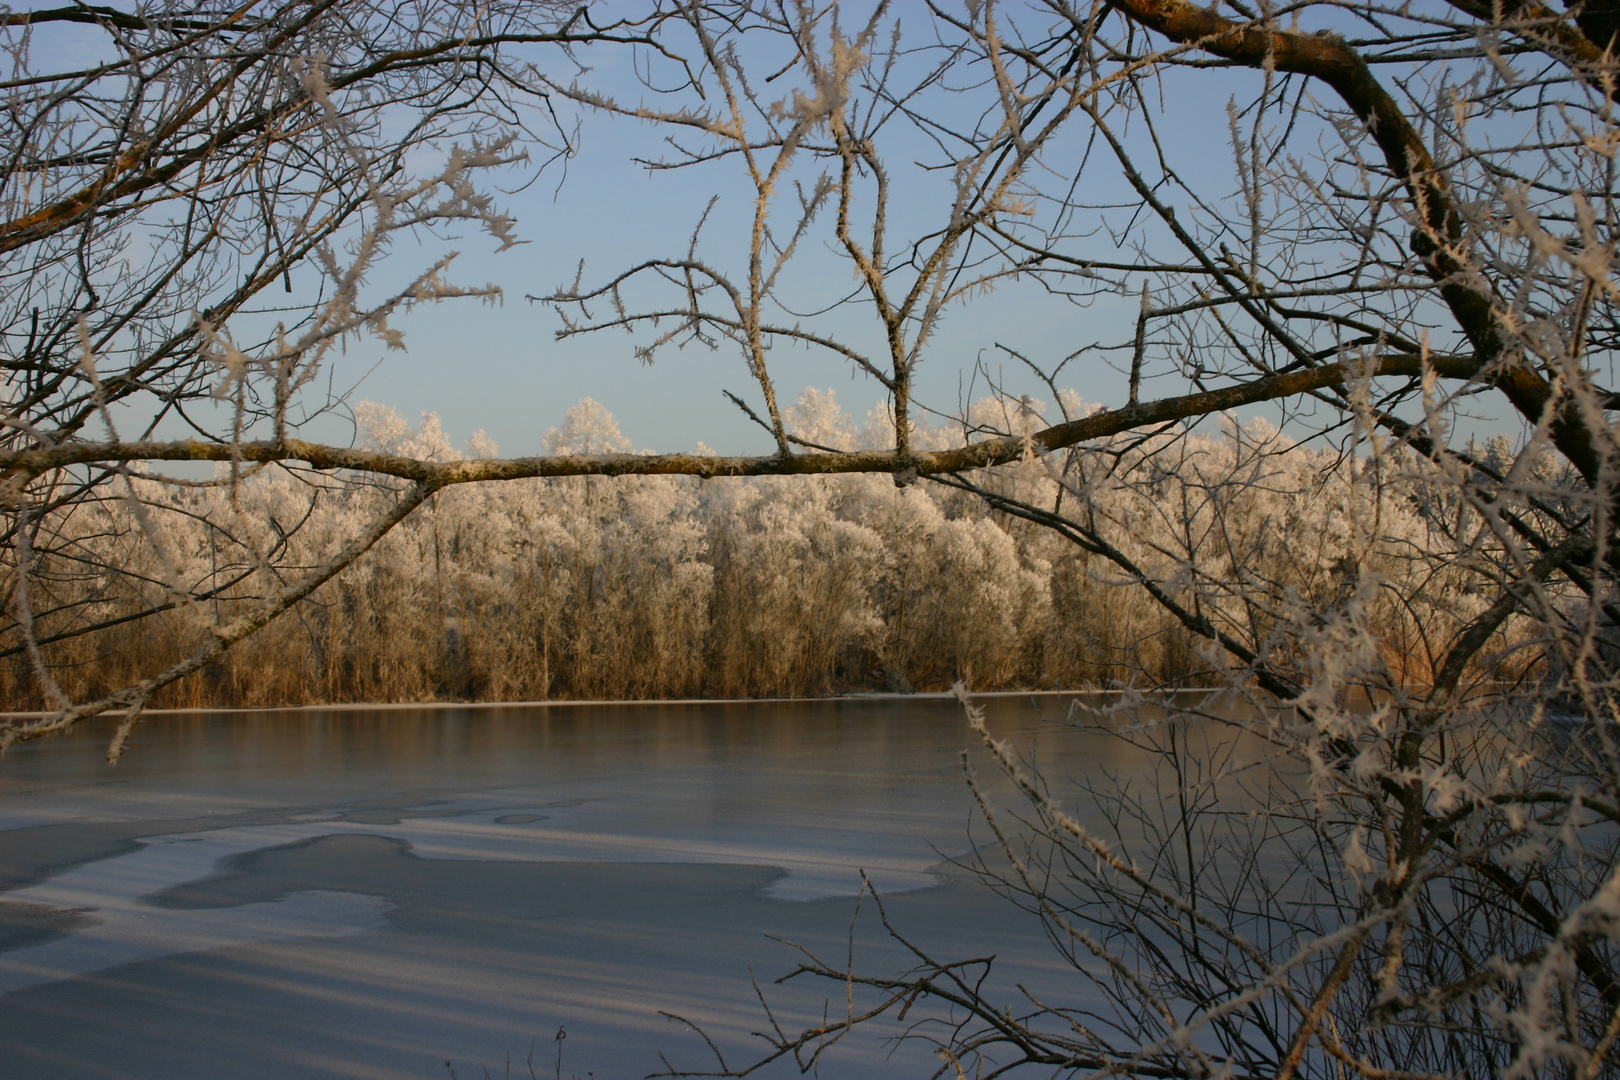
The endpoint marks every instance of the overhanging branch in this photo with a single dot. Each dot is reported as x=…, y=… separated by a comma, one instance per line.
x=18, y=467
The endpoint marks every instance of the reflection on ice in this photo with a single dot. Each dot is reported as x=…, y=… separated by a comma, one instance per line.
x=817, y=860
x=820, y=856
x=125, y=930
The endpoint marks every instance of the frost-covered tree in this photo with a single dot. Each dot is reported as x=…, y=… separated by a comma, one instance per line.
x=167, y=166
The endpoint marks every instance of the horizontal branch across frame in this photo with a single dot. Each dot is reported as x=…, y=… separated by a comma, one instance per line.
x=17, y=467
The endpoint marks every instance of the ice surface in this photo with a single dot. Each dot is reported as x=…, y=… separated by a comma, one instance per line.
x=354, y=893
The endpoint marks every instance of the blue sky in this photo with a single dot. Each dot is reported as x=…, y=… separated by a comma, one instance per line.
x=500, y=368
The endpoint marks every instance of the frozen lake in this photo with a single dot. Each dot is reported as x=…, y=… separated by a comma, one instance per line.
x=373, y=893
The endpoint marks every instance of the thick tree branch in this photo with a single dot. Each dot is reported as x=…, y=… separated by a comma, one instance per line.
x=18, y=467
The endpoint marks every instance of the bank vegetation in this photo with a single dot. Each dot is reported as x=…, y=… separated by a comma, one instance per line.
x=676, y=587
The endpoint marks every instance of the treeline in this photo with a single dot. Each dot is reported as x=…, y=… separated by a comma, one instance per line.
x=675, y=587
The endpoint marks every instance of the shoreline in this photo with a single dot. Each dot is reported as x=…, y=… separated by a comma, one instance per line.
x=384, y=706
